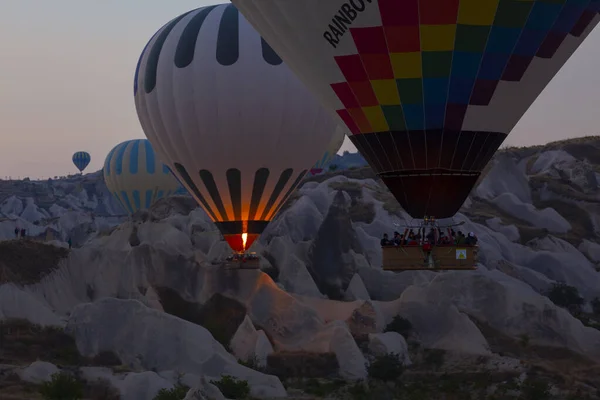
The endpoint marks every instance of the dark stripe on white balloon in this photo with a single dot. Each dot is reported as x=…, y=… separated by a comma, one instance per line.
x=290, y=190
x=234, y=181
x=269, y=54
x=213, y=191
x=188, y=180
x=184, y=54
x=260, y=182
x=279, y=186
x=228, y=38
x=153, y=57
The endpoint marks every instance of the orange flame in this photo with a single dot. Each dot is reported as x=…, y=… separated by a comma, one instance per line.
x=244, y=240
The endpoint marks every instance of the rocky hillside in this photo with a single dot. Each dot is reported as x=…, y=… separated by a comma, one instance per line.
x=141, y=306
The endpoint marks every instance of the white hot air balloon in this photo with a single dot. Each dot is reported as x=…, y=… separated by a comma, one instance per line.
x=233, y=123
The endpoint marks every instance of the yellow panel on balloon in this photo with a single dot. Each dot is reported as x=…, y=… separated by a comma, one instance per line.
x=437, y=37
x=407, y=65
x=376, y=119
x=477, y=12
x=386, y=92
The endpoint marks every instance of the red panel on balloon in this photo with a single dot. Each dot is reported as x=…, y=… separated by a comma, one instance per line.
x=363, y=91
x=347, y=118
x=378, y=66
x=399, y=12
x=352, y=68
x=403, y=39
x=438, y=12
x=345, y=94
x=369, y=40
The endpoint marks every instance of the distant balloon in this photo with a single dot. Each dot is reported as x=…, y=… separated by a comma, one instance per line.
x=334, y=146
x=81, y=159
x=429, y=89
x=136, y=177
x=234, y=124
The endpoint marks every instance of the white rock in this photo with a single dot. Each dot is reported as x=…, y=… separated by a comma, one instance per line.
x=442, y=326
x=590, y=249
x=504, y=177
x=149, y=339
x=204, y=390
x=263, y=348
x=547, y=218
x=510, y=231
x=389, y=342
x=336, y=338
x=38, y=372
x=244, y=340
x=142, y=385
x=356, y=290
x=16, y=303
x=547, y=159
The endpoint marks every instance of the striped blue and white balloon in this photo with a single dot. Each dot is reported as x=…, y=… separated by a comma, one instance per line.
x=136, y=177
x=81, y=159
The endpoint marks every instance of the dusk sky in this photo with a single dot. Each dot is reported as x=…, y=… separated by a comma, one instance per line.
x=66, y=83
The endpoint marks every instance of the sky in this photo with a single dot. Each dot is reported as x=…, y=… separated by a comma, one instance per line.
x=66, y=83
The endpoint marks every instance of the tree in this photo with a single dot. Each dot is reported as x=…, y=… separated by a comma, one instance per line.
x=566, y=296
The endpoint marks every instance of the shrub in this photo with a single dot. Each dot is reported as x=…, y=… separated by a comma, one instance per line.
x=524, y=339
x=399, y=325
x=533, y=389
x=232, y=388
x=353, y=188
x=322, y=389
x=359, y=391
x=386, y=368
x=252, y=362
x=302, y=364
x=102, y=389
x=106, y=359
x=362, y=212
x=178, y=392
x=566, y=296
x=434, y=357
x=62, y=386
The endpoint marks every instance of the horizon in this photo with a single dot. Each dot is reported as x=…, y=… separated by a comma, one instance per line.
x=69, y=77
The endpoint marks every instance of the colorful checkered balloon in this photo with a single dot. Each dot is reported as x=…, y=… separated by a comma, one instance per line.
x=429, y=89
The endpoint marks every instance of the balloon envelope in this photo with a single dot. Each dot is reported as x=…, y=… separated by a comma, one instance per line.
x=428, y=88
x=233, y=123
x=81, y=159
x=334, y=146
x=136, y=177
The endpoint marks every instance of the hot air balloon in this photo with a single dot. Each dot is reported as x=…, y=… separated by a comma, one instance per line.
x=81, y=159
x=429, y=89
x=334, y=146
x=235, y=125
x=135, y=176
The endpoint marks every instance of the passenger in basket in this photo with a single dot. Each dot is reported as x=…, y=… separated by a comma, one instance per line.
x=460, y=238
x=385, y=241
x=471, y=240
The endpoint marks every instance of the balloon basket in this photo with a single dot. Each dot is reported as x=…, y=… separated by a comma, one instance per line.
x=242, y=261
